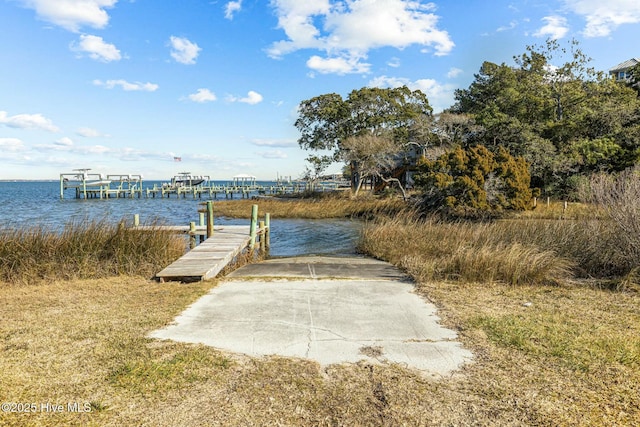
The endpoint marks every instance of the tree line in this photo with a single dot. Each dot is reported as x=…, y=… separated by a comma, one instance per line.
x=542, y=125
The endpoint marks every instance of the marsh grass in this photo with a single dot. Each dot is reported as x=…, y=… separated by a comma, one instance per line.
x=314, y=206
x=515, y=251
x=556, y=210
x=84, y=249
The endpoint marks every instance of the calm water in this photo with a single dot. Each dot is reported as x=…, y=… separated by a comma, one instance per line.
x=23, y=203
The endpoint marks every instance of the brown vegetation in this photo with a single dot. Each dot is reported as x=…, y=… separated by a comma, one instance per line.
x=549, y=350
x=84, y=250
x=316, y=205
x=515, y=251
x=565, y=360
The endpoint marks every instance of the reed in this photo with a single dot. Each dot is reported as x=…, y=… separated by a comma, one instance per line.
x=315, y=206
x=84, y=249
x=516, y=251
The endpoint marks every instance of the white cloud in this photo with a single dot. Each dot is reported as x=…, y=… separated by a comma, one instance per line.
x=204, y=158
x=394, y=62
x=440, y=96
x=88, y=133
x=203, y=95
x=11, y=145
x=274, y=154
x=64, y=142
x=555, y=28
x=231, y=8
x=183, y=50
x=94, y=149
x=511, y=26
x=281, y=143
x=97, y=48
x=125, y=85
x=72, y=14
x=128, y=154
x=389, y=82
x=349, y=65
x=251, y=98
x=604, y=17
x=28, y=121
x=454, y=72
x=346, y=30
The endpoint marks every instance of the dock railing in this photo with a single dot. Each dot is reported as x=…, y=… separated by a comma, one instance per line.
x=259, y=230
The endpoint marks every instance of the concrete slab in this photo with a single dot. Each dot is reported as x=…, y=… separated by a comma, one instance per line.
x=327, y=320
x=315, y=267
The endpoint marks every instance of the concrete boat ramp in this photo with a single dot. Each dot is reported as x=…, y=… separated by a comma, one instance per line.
x=328, y=309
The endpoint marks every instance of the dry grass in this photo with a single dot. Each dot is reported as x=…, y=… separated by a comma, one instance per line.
x=544, y=355
x=516, y=251
x=556, y=210
x=565, y=360
x=432, y=250
x=568, y=353
x=319, y=206
x=564, y=355
x=84, y=250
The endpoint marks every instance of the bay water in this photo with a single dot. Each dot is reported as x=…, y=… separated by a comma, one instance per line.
x=38, y=203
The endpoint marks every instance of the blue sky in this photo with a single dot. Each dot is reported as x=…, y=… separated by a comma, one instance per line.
x=126, y=86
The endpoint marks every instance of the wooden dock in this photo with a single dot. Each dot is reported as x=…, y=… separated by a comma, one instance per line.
x=218, y=246
x=207, y=259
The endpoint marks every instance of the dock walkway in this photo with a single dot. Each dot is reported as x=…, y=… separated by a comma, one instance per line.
x=207, y=259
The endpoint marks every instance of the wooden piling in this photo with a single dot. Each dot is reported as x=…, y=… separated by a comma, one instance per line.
x=267, y=231
x=252, y=228
x=209, y=219
x=202, y=222
x=263, y=246
x=192, y=234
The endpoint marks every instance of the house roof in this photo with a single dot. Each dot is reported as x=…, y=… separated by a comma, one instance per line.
x=625, y=65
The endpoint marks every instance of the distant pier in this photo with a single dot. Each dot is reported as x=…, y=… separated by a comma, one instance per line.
x=87, y=185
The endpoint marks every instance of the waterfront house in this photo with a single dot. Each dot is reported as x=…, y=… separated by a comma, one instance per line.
x=621, y=71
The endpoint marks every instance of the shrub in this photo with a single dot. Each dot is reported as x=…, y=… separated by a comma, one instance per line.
x=619, y=198
x=474, y=179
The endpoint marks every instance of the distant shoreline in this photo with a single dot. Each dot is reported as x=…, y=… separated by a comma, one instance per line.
x=28, y=180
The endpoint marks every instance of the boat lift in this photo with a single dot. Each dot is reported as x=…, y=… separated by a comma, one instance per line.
x=95, y=185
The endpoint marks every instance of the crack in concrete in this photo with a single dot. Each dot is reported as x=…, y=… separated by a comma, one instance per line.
x=311, y=336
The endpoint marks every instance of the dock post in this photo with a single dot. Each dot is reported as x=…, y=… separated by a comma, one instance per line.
x=202, y=236
x=209, y=219
x=267, y=230
x=254, y=223
x=263, y=246
x=136, y=220
x=192, y=235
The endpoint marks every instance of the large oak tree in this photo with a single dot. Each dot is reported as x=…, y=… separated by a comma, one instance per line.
x=326, y=121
